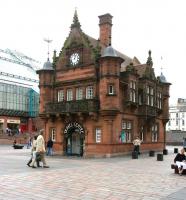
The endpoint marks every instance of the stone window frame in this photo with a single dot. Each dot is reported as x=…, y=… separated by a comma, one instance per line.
x=132, y=91
x=183, y=122
x=69, y=95
x=79, y=95
x=90, y=92
x=127, y=127
x=142, y=133
x=159, y=99
x=111, y=90
x=53, y=133
x=60, y=95
x=96, y=135
x=155, y=132
x=150, y=95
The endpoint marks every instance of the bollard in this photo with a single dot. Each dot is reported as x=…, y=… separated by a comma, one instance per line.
x=165, y=152
x=159, y=157
x=151, y=153
x=134, y=155
x=175, y=150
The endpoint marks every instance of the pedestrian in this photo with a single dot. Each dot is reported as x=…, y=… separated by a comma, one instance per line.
x=40, y=150
x=33, y=153
x=137, y=142
x=180, y=161
x=29, y=143
x=49, y=147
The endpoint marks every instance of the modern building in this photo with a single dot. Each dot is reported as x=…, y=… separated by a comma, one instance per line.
x=177, y=116
x=19, y=97
x=94, y=100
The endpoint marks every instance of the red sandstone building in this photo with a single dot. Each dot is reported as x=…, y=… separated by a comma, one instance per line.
x=94, y=100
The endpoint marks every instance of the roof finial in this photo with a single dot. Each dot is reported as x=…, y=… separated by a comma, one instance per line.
x=48, y=41
x=162, y=77
x=149, y=59
x=76, y=22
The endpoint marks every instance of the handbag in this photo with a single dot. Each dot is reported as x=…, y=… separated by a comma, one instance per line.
x=38, y=156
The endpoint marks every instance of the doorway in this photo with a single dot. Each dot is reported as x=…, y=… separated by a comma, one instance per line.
x=74, y=142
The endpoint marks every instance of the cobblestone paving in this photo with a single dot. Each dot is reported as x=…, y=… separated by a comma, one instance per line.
x=89, y=179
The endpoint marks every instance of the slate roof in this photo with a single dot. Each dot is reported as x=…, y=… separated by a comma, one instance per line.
x=127, y=59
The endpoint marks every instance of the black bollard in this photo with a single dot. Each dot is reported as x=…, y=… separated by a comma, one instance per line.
x=159, y=157
x=134, y=155
x=151, y=153
x=165, y=152
x=175, y=150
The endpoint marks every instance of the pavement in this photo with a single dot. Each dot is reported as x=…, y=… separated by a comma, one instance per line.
x=121, y=178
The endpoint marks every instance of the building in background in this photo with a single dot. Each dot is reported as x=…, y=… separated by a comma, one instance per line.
x=19, y=97
x=177, y=116
x=94, y=100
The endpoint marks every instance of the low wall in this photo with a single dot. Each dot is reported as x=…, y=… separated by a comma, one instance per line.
x=175, y=137
x=21, y=139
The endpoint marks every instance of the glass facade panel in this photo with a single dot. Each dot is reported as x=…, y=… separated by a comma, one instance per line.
x=19, y=98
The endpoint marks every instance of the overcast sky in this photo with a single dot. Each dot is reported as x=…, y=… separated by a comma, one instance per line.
x=138, y=25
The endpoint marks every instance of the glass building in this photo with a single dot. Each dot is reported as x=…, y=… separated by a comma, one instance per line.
x=18, y=100
x=19, y=92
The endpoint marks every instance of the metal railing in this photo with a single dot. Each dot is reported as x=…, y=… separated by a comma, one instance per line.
x=86, y=105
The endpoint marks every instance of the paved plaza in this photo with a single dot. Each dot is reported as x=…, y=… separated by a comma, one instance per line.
x=89, y=179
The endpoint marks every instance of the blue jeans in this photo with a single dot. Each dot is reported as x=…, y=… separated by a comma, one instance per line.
x=49, y=151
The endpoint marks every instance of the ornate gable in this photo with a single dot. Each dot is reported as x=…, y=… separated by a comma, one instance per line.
x=78, y=49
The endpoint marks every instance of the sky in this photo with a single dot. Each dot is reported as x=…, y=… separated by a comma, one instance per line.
x=138, y=25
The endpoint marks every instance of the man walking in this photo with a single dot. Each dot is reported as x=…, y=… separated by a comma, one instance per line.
x=40, y=149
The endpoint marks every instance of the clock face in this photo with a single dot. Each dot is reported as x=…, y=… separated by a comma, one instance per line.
x=74, y=59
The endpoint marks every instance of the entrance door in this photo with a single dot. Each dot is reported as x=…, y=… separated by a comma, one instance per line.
x=74, y=139
x=76, y=143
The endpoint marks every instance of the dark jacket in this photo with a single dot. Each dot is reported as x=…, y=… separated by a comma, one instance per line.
x=50, y=143
x=180, y=157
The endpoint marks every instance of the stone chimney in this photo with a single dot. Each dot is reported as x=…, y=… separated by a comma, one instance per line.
x=105, y=24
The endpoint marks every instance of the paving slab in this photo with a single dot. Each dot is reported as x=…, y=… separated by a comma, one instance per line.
x=117, y=178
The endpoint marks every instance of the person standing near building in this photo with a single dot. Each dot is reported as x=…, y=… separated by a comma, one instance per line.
x=40, y=148
x=49, y=147
x=137, y=142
